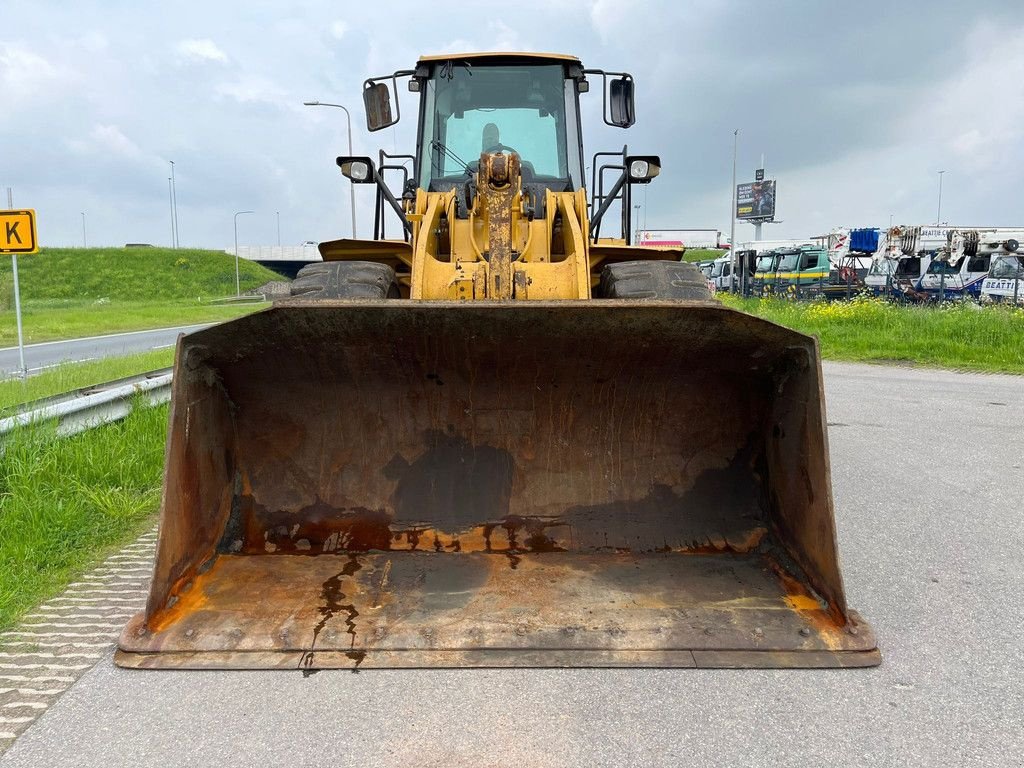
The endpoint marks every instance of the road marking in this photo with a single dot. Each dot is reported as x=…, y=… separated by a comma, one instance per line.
x=66, y=667
x=47, y=655
x=132, y=600
x=83, y=625
x=15, y=720
x=7, y=735
x=106, y=336
x=37, y=644
x=26, y=705
x=86, y=594
x=55, y=634
x=33, y=691
x=37, y=678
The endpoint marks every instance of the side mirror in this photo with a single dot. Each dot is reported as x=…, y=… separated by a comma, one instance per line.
x=620, y=102
x=640, y=169
x=377, y=100
x=358, y=170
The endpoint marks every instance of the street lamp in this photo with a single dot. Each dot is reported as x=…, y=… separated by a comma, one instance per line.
x=170, y=201
x=732, y=202
x=278, y=214
x=348, y=119
x=174, y=206
x=84, y=243
x=238, y=285
x=938, y=213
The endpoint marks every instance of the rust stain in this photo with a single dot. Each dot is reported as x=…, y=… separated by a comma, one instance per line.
x=188, y=596
x=810, y=608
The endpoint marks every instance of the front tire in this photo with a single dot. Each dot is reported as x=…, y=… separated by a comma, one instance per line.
x=345, y=280
x=653, y=280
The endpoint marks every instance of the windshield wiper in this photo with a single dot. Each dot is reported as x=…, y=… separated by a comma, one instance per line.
x=435, y=144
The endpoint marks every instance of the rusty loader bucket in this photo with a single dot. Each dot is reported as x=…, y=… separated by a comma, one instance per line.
x=417, y=484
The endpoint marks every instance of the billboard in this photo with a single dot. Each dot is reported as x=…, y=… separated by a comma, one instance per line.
x=756, y=200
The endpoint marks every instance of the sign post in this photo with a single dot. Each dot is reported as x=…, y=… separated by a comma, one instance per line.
x=18, y=235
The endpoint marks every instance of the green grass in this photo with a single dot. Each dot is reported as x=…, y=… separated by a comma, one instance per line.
x=71, y=376
x=66, y=502
x=128, y=274
x=70, y=319
x=71, y=292
x=959, y=336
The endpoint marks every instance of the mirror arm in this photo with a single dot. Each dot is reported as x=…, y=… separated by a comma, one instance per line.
x=393, y=77
x=604, y=91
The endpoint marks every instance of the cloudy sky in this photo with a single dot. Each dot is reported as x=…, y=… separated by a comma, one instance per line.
x=856, y=107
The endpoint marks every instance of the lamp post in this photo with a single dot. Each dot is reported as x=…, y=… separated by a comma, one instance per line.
x=174, y=207
x=637, y=236
x=84, y=243
x=170, y=202
x=238, y=284
x=732, y=200
x=938, y=213
x=348, y=120
x=278, y=215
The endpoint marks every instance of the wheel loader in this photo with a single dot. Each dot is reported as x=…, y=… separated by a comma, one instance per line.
x=497, y=437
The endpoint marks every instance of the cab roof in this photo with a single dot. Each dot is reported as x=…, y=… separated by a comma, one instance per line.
x=525, y=55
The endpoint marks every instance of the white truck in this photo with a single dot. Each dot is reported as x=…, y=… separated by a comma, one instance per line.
x=686, y=238
x=960, y=268
x=903, y=256
x=1005, y=278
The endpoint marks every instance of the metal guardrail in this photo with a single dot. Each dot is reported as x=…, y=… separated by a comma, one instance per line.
x=86, y=408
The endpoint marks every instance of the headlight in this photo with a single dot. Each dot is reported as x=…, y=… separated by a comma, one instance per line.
x=359, y=171
x=639, y=169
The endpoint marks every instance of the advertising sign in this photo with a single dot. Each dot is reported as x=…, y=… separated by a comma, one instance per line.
x=756, y=200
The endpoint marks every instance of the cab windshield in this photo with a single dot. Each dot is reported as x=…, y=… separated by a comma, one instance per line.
x=1008, y=267
x=530, y=110
x=945, y=267
x=789, y=262
x=883, y=267
x=766, y=263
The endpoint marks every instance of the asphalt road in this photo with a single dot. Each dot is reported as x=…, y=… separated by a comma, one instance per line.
x=929, y=486
x=41, y=356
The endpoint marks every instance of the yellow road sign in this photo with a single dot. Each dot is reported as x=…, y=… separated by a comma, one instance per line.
x=18, y=232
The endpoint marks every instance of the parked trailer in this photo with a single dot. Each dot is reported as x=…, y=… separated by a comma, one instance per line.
x=685, y=238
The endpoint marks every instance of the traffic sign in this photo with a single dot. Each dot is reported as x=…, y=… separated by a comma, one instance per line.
x=18, y=232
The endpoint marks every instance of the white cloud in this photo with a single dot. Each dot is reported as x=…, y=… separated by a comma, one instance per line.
x=339, y=29
x=253, y=89
x=22, y=71
x=200, y=50
x=109, y=141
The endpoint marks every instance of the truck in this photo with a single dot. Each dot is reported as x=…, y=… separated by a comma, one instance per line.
x=505, y=436
x=903, y=256
x=1005, y=280
x=802, y=271
x=960, y=268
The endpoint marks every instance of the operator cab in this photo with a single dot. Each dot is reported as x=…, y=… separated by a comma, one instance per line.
x=529, y=108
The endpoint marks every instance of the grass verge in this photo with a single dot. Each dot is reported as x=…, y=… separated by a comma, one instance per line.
x=71, y=376
x=959, y=336
x=71, y=319
x=67, y=502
